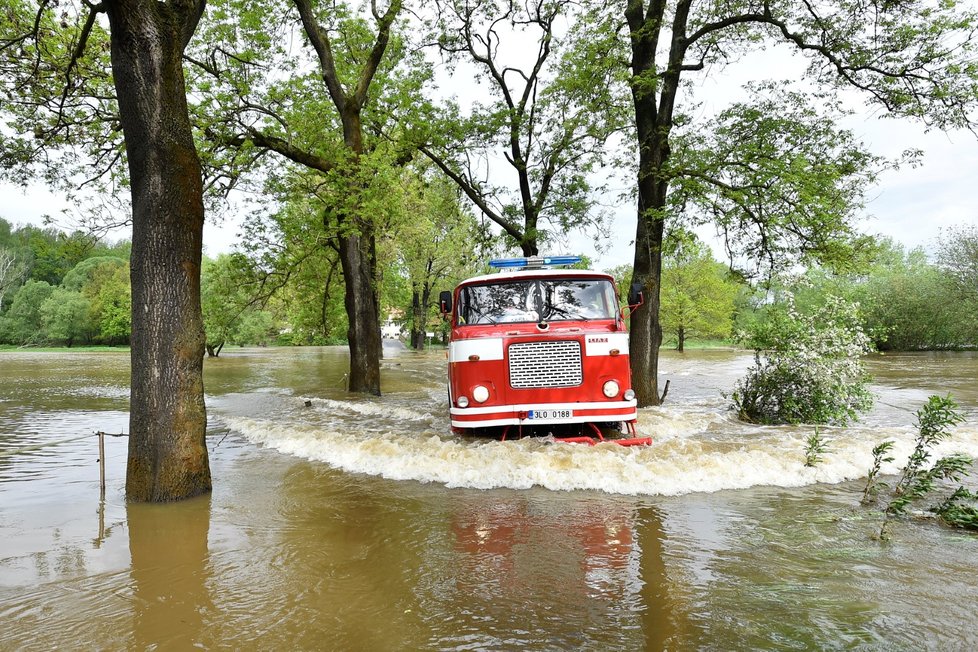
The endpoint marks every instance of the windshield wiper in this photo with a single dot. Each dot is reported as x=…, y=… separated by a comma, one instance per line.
x=552, y=310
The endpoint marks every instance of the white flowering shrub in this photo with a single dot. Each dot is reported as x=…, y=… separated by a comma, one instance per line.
x=807, y=368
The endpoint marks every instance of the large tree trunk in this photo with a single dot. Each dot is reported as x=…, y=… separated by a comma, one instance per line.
x=358, y=257
x=646, y=331
x=653, y=123
x=366, y=348
x=417, y=321
x=167, y=423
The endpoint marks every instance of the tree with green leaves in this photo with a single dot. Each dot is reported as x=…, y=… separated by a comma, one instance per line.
x=552, y=113
x=778, y=181
x=910, y=304
x=55, y=62
x=104, y=282
x=906, y=302
x=218, y=301
x=763, y=188
x=228, y=305
x=111, y=298
x=91, y=272
x=48, y=254
x=323, y=118
x=958, y=256
x=67, y=317
x=24, y=323
x=255, y=327
x=295, y=269
x=435, y=246
x=698, y=294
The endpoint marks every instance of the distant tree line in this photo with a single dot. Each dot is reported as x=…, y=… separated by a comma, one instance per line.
x=906, y=300
x=72, y=289
x=62, y=288
x=283, y=288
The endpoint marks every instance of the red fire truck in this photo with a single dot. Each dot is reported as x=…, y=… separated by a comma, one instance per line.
x=536, y=350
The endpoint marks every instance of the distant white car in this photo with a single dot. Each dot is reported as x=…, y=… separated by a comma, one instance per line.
x=390, y=331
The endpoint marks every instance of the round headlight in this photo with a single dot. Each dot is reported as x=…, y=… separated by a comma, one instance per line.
x=462, y=402
x=610, y=389
x=629, y=394
x=480, y=393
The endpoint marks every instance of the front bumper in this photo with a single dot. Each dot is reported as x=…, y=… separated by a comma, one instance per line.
x=543, y=413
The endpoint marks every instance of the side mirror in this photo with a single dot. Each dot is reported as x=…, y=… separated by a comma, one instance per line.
x=636, y=296
x=445, y=302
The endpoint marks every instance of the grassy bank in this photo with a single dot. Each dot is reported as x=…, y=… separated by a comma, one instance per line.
x=60, y=349
x=697, y=345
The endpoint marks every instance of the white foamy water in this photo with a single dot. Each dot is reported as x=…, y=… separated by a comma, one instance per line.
x=365, y=409
x=696, y=449
x=699, y=445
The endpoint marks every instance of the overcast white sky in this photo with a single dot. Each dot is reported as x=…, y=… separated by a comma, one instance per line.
x=911, y=205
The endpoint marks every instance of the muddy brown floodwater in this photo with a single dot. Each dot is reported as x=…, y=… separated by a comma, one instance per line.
x=363, y=524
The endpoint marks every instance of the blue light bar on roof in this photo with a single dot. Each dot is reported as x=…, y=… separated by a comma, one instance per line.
x=533, y=262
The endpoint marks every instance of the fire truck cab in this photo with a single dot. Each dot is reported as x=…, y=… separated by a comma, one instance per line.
x=535, y=350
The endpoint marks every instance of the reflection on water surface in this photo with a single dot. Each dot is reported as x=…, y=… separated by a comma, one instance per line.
x=362, y=524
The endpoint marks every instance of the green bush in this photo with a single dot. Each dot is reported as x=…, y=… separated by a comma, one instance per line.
x=807, y=368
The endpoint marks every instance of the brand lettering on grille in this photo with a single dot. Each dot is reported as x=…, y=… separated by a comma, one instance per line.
x=545, y=364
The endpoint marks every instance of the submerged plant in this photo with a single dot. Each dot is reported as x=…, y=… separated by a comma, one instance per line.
x=923, y=482
x=934, y=421
x=881, y=456
x=956, y=512
x=815, y=447
x=917, y=481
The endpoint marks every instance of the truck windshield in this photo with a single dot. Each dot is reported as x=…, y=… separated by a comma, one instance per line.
x=536, y=300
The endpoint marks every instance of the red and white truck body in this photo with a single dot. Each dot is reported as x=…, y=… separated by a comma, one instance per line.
x=537, y=350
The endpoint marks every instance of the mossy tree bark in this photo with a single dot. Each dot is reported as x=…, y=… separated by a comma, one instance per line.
x=167, y=451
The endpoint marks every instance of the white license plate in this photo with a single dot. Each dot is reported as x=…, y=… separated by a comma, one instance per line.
x=550, y=414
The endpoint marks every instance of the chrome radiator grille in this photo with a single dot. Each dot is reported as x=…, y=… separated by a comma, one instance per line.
x=545, y=364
